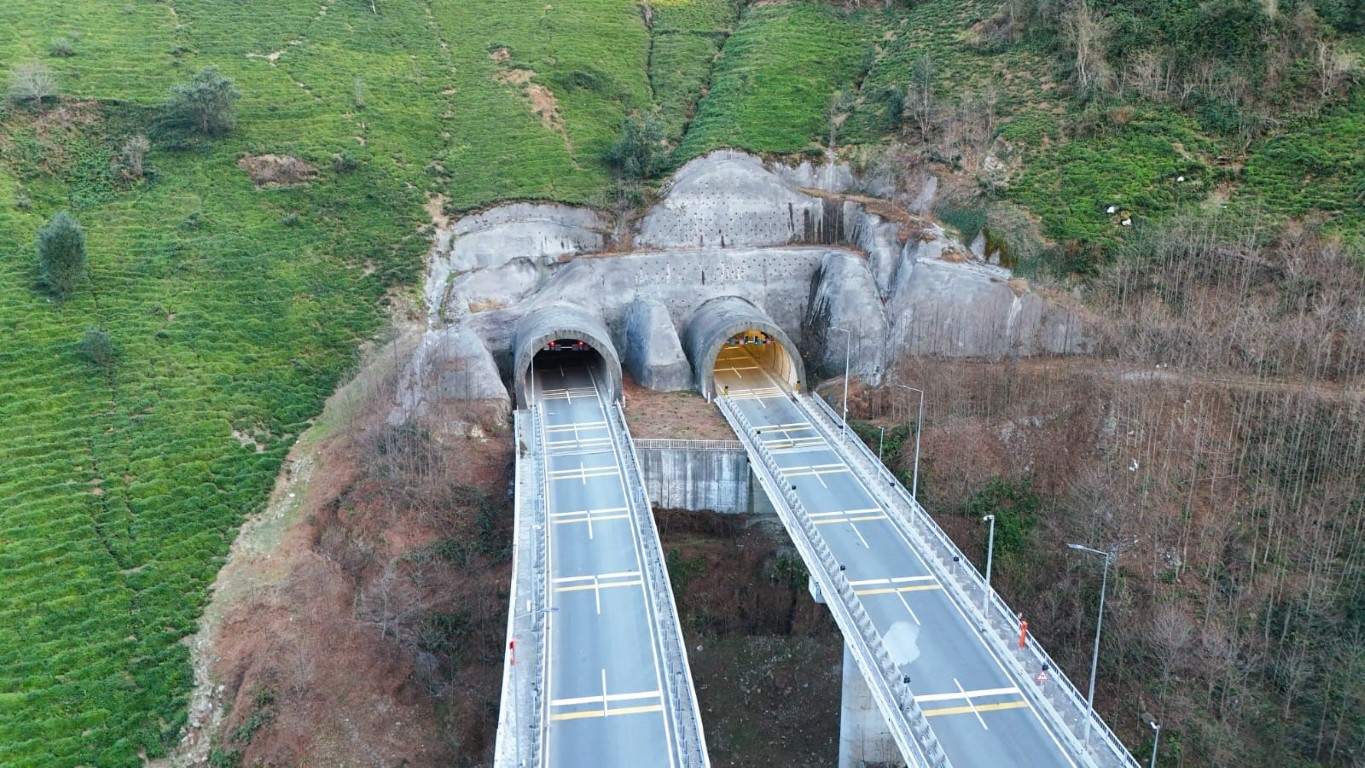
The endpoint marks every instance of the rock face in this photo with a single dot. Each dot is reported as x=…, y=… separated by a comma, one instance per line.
x=966, y=309
x=540, y=234
x=652, y=351
x=727, y=227
x=728, y=200
x=451, y=364
x=844, y=296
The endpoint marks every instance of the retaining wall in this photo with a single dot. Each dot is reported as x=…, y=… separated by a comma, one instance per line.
x=701, y=475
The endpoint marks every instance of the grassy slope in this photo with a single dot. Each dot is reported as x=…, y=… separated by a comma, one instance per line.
x=770, y=89
x=238, y=309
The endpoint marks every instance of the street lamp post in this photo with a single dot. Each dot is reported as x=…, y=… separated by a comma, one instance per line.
x=1099, y=623
x=990, y=551
x=848, y=347
x=1156, y=739
x=881, y=441
x=919, y=424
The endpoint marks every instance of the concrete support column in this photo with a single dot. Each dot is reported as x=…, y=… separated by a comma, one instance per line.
x=864, y=738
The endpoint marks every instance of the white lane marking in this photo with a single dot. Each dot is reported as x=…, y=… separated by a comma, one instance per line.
x=893, y=580
x=991, y=652
x=908, y=609
x=637, y=547
x=576, y=425
x=963, y=691
x=602, y=511
x=612, y=697
x=860, y=535
x=982, y=693
x=604, y=691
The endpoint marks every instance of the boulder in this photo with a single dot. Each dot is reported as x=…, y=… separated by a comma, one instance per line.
x=451, y=364
x=653, y=352
x=844, y=295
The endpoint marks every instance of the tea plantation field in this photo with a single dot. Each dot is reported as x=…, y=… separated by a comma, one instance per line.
x=235, y=310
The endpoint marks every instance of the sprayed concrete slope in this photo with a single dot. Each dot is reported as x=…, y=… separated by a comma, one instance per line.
x=821, y=268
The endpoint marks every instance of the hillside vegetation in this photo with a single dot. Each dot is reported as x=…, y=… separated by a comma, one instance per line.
x=231, y=279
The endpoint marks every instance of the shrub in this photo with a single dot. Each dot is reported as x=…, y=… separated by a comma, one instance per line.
x=207, y=103
x=640, y=152
x=132, y=157
x=61, y=254
x=61, y=48
x=32, y=82
x=344, y=162
x=98, y=348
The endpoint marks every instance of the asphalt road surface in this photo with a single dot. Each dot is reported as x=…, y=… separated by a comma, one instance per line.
x=604, y=706
x=974, y=707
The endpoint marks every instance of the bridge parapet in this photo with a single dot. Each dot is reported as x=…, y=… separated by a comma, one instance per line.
x=1057, y=697
x=890, y=689
x=518, y=740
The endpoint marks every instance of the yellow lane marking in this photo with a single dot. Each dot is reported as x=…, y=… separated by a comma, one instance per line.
x=576, y=426
x=850, y=519
x=894, y=580
x=977, y=708
x=602, y=511
x=599, y=586
x=965, y=694
x=581, y=474
x=815, y=472
x=610, y=697
x=893, y=590
x=595, y=519
x=609, y=712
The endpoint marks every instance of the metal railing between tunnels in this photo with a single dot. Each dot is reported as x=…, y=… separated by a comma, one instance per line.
x=1060, y=700
x=677, y=674
x=888, y=685
x=521, y=708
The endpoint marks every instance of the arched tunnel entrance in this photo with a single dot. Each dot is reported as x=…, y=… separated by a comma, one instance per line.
x=734, y=343
x=561, y=348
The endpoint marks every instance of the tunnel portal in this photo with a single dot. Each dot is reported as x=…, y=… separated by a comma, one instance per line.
x=559, y=338
x=731, y=334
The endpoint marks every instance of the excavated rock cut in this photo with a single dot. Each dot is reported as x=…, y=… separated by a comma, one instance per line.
x=717, y=321
x=556, y=322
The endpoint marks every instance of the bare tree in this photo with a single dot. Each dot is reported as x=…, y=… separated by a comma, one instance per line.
x=1087, y=36
x=32, y=82
x=1334, y=67
x=919, y=99
x=133, y=155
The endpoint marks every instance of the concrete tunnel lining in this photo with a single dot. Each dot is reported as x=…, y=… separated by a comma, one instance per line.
x=716, y=321
x=561, y=321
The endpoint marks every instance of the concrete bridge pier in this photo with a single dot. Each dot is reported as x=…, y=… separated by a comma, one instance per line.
x=865, y=741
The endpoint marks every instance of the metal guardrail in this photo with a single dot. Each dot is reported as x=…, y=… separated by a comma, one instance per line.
x=886, y=682
x=520, y=708
x=676, y=673
x=540, y=591
x=1060, y=698
x=665, y=444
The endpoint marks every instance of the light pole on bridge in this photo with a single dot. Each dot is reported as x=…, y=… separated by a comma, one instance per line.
x=919, y=424
x=848, y=346
x=990, y=551
x=1108, y=556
